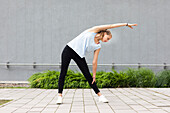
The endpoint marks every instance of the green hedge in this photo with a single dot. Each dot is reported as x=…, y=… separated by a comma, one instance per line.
x=130, y=77
x=163, y=79
x=142, y=77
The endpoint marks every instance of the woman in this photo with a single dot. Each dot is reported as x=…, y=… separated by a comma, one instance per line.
x=87, y=41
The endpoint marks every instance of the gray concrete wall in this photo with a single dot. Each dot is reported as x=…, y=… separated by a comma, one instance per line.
x=37, y=31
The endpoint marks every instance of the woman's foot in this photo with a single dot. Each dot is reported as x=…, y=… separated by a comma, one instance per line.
x=59, y=100
x=103, y=99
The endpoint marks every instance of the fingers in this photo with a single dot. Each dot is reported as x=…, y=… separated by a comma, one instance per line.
x=93, y=81
x=130, y=27
x=133, y=24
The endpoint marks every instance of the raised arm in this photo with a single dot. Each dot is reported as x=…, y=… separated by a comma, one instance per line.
x=110, y=26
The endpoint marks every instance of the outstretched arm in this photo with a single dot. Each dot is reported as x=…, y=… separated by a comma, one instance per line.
x=96, y=53
x=110, y=26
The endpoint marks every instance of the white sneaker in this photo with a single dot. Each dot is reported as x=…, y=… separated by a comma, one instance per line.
x=59, y=100
x=103, y=99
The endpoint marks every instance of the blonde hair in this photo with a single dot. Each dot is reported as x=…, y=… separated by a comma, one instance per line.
x=100, y=34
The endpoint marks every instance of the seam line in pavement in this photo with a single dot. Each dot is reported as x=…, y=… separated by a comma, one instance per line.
x=14, y=100
x=144, y=100
x=108, y=103
x=157, y=92
x=34, y=98
x=72, y=100
x=138, y=97
x=121, y=99
x=83, y=100
x=63, y=99
x=94, y=100
x=49, y=102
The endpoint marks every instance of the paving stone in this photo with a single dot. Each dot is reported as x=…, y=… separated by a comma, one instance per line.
x=92, y=112
x=157, y=111
x=106, y=111
x=21, y=110
x=77, y=110
x=125, y=111
x=7, y=109
x=63, y=111
x=77, y=107
x=144, y=111
x=37, y=109
x=166, y=108
x=121, y=100
x=15, y=105
x=49, y=110
x=121, y=107
x=91, y=109
x=137, y=107
x=33, y=112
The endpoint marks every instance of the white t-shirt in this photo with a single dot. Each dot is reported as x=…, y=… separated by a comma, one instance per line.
x=84, y=43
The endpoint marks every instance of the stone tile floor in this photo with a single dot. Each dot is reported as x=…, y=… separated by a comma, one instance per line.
x=121, y=100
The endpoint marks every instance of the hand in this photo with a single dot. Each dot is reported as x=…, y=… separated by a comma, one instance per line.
x=94, y=79
x=130, y=25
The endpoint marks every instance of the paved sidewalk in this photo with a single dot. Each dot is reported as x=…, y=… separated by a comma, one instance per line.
x=121, y=100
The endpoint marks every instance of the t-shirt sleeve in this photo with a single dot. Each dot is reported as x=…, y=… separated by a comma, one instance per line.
x=98, y=46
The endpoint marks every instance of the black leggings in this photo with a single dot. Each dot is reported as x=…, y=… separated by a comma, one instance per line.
x=68, y=54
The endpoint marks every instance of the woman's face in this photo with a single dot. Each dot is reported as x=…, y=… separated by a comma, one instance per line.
x=106, y=38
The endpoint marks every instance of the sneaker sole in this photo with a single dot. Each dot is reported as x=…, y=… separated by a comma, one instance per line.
x=104, y=102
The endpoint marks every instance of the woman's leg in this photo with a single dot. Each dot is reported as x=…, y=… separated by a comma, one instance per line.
x=81, y=62
x=65, y=60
